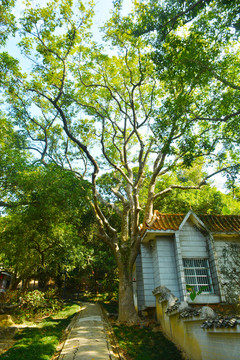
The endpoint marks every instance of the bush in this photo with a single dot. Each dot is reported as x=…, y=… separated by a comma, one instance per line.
x=34, y=300
x=35, y=303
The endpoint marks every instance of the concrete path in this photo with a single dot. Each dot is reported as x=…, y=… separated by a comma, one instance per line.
x=89, y=336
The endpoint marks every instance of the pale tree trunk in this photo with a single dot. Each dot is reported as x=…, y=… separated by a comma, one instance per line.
x=126, y=309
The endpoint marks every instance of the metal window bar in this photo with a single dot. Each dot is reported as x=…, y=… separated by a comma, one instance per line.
x=197, y=273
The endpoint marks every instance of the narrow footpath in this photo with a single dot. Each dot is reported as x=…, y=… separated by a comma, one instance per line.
x=88, y=338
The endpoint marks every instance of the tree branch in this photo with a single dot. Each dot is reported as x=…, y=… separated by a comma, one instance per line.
x=224, y=119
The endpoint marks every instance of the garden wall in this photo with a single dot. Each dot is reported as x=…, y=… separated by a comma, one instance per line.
x=199, y=332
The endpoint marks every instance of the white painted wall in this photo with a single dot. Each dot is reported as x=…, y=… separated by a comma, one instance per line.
x=139, y=283
x=147, y=276
x=165, y=269
x=193, y=242
x=196, y=342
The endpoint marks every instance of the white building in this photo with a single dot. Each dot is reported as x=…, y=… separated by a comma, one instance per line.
x=179, y=250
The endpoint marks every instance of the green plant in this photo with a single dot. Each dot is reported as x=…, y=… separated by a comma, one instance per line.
x=35, y=299
x=193, y=294
x=35, y=304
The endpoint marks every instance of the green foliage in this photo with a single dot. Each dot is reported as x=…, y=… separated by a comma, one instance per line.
x=7, y=24
x=13, y=162
x=97, y=272
x=193, y=294
x=206, y=200
x=195, y=48
x=46, y=232
x=226, y=211
x=36, y=300
x=34, y=303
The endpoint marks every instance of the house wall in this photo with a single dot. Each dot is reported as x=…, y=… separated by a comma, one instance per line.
x=230, y=292
x=147, y=277
x=193, y=242
x=180, y=269
x=154, y=267
x=139, y=301
x=221, y=243
x=161, y=263
x=165, y=269
x=214, y=267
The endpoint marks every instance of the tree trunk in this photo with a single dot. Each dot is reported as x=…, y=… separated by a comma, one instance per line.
x=14, y=282
x=126, y=309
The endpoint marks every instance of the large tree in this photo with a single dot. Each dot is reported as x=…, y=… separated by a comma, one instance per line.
x=106, y=111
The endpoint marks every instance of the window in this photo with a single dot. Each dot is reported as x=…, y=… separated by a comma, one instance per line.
x=197, y=273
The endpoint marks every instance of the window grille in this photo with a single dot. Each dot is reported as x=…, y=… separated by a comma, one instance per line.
x=197, y=273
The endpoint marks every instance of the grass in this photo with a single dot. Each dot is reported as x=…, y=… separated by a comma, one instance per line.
x=144, y=344
x=138, y=343
x=40, y=342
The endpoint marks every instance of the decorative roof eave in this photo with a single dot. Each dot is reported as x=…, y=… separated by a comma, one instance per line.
x=149, y=234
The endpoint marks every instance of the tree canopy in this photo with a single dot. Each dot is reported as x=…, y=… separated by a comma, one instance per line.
x=195, y=48
x=46, y=229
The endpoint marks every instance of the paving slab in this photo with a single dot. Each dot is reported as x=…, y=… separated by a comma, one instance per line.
x=88, y=338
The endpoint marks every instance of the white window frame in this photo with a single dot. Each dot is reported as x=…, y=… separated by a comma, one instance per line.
x=197, y=274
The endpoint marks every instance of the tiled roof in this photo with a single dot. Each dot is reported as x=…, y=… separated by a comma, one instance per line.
x=222, y=223
x=215, y=223
x=165, y=221
x=218, y=322
x=221, y=323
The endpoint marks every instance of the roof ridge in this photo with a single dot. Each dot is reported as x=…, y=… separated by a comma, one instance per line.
x=157, y=211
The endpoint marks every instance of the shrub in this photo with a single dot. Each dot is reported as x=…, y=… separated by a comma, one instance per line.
x=34, y=300
x=35, y=303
